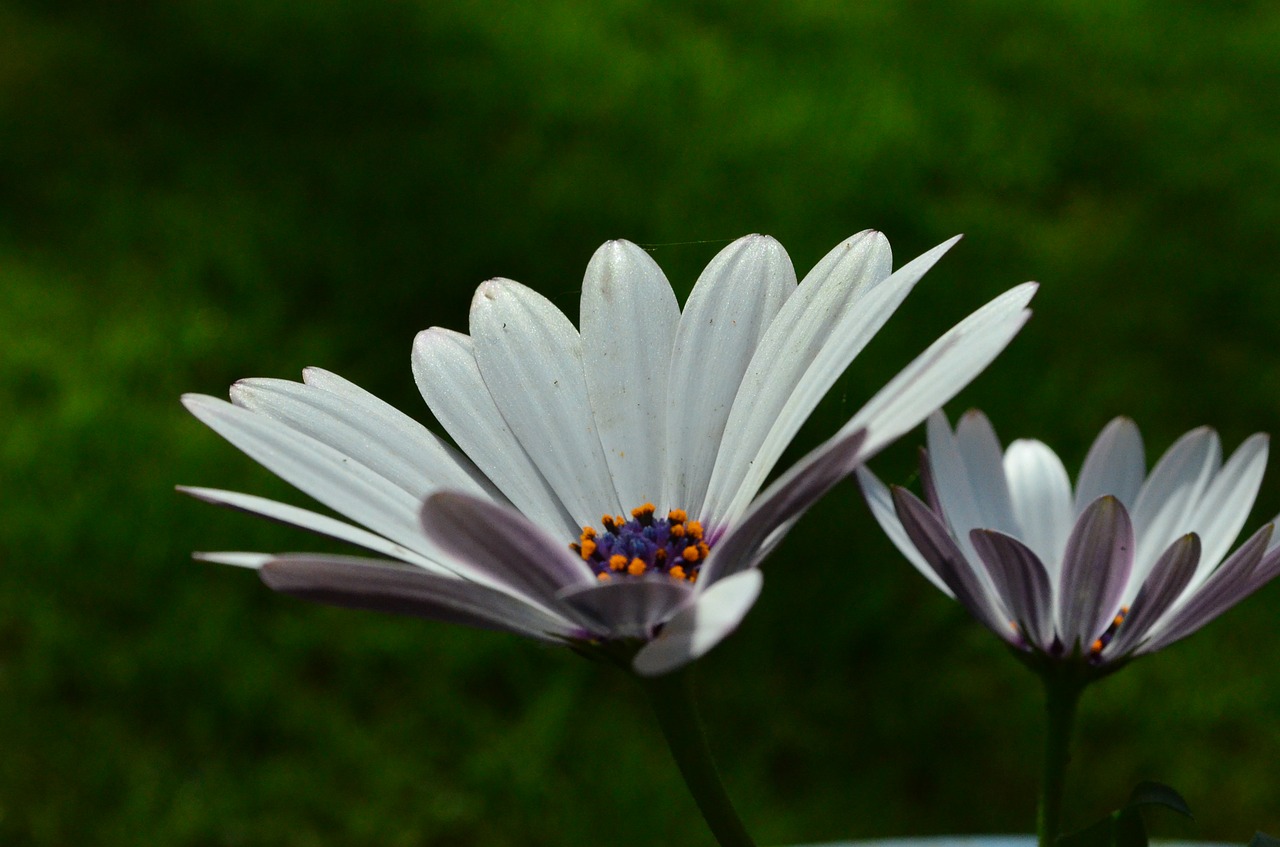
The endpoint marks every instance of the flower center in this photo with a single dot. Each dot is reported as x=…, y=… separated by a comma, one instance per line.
x=1102, y=641
x=645, y=544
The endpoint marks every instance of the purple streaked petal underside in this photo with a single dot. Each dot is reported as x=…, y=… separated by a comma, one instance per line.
x=627, y=608
x=1161, y=590
x=1023, y=583
x=1095, y=572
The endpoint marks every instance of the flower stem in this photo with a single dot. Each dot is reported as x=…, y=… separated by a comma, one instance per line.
x=1062, y=694
x=673, y=703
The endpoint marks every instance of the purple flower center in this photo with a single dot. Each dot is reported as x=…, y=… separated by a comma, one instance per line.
x=673, y=545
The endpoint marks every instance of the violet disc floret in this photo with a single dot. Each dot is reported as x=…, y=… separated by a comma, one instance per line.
x=675, y=417
x=1123, y=565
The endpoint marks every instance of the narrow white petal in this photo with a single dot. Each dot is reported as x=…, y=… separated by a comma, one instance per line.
x=628, y=608
x=331, y=477
x=311, y=521
x=830, y=319
x=359, y=425
x=984, y=465
x=444, y=366
x=1116, y=465
x=948, y=365
x=373, y=585
x=1163, y=508
x=701, y=626
x=530, y=356
x=730, y=307
x=1095, y=572
x=950, y=477
x=252, y=561
x=1226, y=503
x=877, y=496
x=1042, y=505
x=1163, y=586
x=629, y=319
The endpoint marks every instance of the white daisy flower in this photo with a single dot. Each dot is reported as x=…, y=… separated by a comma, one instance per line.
x=1125, y=564
x=664, y=421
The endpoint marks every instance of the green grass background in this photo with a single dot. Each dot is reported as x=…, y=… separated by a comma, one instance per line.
x=201, y=190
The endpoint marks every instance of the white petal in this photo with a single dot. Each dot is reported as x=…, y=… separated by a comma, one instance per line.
x=504, y=546
x=877, y=496
x=629, y=318
x=628, y=608
x=530, y=356
x=369, y=584
x=1226, y=503
x=444, y=366
x=1095, y=572
x=1042, y=505
x=1163, y=586
x=358, y=425
x=701, y=626
x=950, y=477
x=984, y=465
x=938, y=374
x=331, y=477
x=733, y=303
x=311, y=521
x=1163, y=508
x=1116, y=465
x=252, y=561
x=836, y=311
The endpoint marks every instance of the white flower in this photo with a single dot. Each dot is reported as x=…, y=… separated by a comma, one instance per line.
x=1125, y=565
x=678, y=414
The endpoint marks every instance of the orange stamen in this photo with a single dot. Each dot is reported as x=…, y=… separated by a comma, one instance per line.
x=636, y=567
x=617, y=562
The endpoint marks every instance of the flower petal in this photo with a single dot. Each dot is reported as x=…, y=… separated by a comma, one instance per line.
x=1022, y=582
x=629, y=318
x=1233, y=581
x=983, y=461
x=1164, y=506
x=252, y=561
x=1095, y=572
x=835, y=311
x=700, y=626
x=786, y=499
x=949, y=472
x=881, y=503
x=1227, y=501
x=627, y=608
x=445, y=369
x=356, y=583
x=938, y=374
x=1168, y=578
x=1116, y=465
x=733, y=303
x=311, y=521
x=1041, y=492
x=331, y=477
x=530, y=356
x=971, y=587
x=504, y=545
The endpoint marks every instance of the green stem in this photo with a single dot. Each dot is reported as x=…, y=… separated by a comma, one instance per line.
x=673, y=703
x=1062, y=694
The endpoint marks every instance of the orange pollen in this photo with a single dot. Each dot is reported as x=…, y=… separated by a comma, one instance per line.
x=677, y=572
x=588, y=532
x=1096, y=647
x=677, y=531
x=695, y=530
x=690, y=554
x=645, y=510
x=636, y=567
x=588, y=547
x=677, y=516
x=617, y=562
x=603, y=577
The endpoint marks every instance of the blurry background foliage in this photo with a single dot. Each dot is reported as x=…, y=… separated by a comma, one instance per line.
x=197, y=191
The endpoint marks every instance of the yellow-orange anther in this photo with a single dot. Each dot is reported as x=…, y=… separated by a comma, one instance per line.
x=588, y=532
x=677, y=572
x=695, y=530
x=1117, y=620
x=1096, y=647
x=617, y=562
x=603, y=577
x=677, y=516
x=636, y=567
x=588, y=547
x=607, y=522
x=645, y=510
x=677, y=530
x=690, y=554
x=703, y=549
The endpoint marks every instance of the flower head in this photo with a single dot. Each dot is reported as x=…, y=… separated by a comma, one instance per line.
x=1126, y=564
x=607, y=486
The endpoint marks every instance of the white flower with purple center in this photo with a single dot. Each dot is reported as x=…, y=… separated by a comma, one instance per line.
x=664, y=421
x=1125, y=564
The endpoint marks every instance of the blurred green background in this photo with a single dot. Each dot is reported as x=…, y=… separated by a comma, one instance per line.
x=201, y=190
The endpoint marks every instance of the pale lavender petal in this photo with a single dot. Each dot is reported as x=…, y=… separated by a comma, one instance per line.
x=1023, y=583
x=1116, y=465
x=252, y=561
x=627, y=608
x=1234, y=580
x=1227, y=501
x=530, y=356
x=1041, y=492
x=730, y=307
x=504, y=545
x=369, y=584
x=1163, y=587
x=311, y=521
x=881, y=504
x=939, y=549
x=954, y=493
x=787, y=498
x=983, y=460
x=629, y=316
x=700, y=626
x=445, y=369
x=1095, y=572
